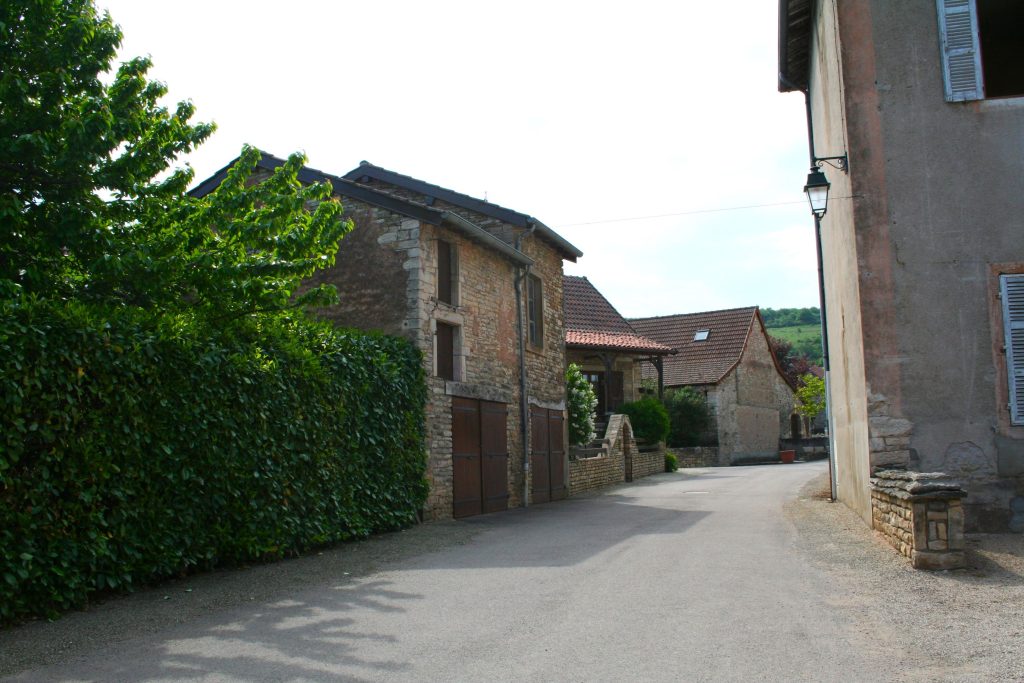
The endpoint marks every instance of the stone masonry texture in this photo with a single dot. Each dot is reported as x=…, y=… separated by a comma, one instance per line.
x=386, y=275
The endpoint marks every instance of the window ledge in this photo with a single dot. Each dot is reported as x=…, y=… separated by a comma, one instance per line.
x=997, y=103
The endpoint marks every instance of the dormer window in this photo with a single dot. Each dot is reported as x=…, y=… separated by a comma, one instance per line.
x=701, y=335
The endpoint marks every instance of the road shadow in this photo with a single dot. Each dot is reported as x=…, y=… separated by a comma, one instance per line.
x=312, y=636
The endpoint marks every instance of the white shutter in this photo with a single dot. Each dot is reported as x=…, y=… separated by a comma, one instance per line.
x=1012, y=292
x=961, y=56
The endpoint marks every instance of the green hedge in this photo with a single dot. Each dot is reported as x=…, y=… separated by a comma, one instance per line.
x=648, y=418
x=134, y=447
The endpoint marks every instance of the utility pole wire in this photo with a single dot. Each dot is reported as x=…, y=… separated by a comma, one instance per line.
x=685, y=213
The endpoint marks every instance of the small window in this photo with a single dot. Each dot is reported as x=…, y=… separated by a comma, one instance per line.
x=445, y=351
x=982, y=48
x=701, y=335
x=535, y=311
x=447, y=273
x=1012, y=294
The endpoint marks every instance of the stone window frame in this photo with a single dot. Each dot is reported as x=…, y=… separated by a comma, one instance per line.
x=535, y=311
x=1005, y=425
x=458, y=370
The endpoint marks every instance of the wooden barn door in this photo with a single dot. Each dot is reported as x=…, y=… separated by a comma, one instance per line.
x=547, y=455
x=479, y=457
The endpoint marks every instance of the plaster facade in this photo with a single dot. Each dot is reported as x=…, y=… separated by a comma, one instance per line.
x=915, y=238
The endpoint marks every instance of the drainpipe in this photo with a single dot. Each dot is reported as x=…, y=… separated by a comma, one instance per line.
x=524, y=403
x=832, y=461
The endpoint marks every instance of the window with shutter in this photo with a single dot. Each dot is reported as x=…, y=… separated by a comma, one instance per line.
x=1012, y=293
x=535, y=311
x=447, y=273
x=961, y=58
x=982, y=48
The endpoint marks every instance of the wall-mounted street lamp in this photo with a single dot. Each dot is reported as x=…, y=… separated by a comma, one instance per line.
x=817, y=184
x=817, y=196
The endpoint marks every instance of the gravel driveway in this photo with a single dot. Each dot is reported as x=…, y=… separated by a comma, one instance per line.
x=962, y=625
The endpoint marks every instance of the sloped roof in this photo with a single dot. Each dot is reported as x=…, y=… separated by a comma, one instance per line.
x=405, y=207
x=592, y=322
x=699, y=362
x=366, y=170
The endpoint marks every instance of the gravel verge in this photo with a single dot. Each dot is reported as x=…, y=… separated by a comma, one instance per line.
x=149, y=610
x=960, y=625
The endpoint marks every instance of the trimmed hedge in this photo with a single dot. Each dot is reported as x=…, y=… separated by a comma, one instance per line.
x=135, y=447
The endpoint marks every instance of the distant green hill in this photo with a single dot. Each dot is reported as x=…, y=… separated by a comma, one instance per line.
x=806, y=339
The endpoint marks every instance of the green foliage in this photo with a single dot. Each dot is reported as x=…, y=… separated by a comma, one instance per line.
x=671, y=462
x=805, y=341
x=648, y=417
x=92, y=206
x=688, y=415
x=581, y=403
x=135, y=447
x=810, y=396
x=790, y=317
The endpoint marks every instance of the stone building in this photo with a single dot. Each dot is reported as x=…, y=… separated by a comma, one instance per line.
x=478, y=289
x=725, y=356
x=922, y=247
x=605, y=346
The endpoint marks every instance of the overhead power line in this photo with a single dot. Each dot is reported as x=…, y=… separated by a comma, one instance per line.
x=685, y=213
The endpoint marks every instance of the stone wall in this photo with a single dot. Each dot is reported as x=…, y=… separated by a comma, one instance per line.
x=921, y=516
x=699, y=456
x=646, y=464
x=610, y=466
x=591, y=474
x=384, y=244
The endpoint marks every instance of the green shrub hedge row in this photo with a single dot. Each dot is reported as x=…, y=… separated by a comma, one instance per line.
x=135, y=447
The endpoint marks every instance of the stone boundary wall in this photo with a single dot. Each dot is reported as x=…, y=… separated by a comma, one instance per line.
x=699, y=456
x=921, y=516
x=609, y=467
x=591, y=474
x=646, y=464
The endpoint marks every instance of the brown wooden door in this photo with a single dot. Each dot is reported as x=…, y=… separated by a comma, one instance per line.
x=547, y=455
x=556, y=448
x=540, y=457
x=479, y=457
x=494, y=440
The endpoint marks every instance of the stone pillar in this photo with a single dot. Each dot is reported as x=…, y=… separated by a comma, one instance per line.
x=921, y=515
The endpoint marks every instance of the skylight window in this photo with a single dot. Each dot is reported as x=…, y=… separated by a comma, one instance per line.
x=701, y=335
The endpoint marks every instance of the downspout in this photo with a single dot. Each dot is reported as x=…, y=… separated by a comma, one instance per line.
x=524, y=403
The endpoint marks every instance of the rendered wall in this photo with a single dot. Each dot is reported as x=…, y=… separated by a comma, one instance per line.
x=937, y=218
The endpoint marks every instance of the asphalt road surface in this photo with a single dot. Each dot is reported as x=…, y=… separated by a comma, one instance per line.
x=678, y=577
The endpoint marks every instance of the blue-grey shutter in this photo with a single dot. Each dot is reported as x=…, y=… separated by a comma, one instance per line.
x=961, y=56
x=1012, y=293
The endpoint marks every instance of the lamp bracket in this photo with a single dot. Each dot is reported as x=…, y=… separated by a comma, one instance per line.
x=841, y=163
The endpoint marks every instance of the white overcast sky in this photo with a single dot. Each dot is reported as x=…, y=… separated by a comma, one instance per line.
x=630, y=128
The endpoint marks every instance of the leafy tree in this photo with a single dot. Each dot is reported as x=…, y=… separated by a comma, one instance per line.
x=92, y=205
x=688, y=417
x=581, y=403
x=810, y=396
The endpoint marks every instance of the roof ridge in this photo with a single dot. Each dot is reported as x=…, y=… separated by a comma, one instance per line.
x=364, y=164
x=684, y=315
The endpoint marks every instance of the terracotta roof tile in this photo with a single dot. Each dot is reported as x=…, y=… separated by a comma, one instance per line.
x=699, y=362
x=592, y=322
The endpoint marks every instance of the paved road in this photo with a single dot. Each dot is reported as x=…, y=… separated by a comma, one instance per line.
x=677, y=577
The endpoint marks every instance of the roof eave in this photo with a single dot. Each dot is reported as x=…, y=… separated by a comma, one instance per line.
x=795, y=26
